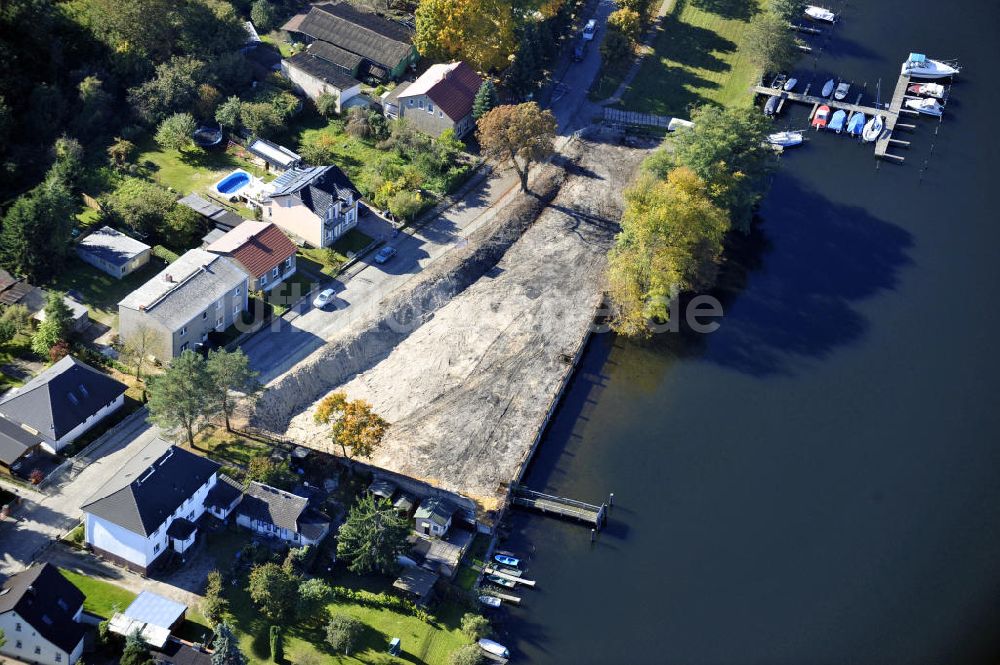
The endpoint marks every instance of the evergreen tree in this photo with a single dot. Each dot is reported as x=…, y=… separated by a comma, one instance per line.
x=373, y=536
x=231, y=373
x=34, y=240
x=227, y=647
x=486, y=99
x=183, y=395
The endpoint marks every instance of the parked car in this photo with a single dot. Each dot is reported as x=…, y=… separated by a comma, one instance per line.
x=580, y=50
x=324, y=298
x=384, y=254
x=590, y=29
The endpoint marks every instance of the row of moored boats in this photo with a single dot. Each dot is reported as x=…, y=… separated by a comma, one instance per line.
x=509, y=565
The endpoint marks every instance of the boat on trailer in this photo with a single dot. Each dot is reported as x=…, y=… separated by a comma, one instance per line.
x=927, y=90
x=925, y=105
x=919, y=65
x=820, y=14
x=873, y=128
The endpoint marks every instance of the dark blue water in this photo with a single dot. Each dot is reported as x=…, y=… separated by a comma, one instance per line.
x=819, y=480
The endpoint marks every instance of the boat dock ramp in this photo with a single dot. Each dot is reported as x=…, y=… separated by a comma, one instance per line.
x=491, y=570
x=594, y=515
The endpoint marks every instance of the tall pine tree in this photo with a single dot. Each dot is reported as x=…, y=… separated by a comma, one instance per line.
x=227, y=647
x=486, y=99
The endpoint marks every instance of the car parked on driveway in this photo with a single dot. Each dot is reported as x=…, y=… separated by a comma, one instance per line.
x=384, y=254
x=590, y=29
x=324, y=298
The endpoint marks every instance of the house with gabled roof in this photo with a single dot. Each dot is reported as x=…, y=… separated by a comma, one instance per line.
x=384, y=46
x=196, y=295
x=315, y=205
x=274, y=512
x=262, y=250
x=440, y=99
x=40, y=613
x=58, y=406
x=151, y=508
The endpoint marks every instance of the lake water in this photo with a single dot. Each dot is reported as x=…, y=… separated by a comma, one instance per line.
x=818, y=481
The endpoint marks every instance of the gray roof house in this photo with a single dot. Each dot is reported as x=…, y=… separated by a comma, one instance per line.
x=224, y=496
x=271, y=511
x=197, y=294
x=155, y=511
x=317, y=204
x=433, y=516
x=63, y=402
x=40, y=613
x=224, y=220
x=113, y=252
x=16, y=443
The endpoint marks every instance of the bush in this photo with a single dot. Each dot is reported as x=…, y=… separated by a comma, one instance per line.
x=475, y=626
x=343, y=632
x=406, y=205
x=277, y=646
x=470, y=654
x=326, y=104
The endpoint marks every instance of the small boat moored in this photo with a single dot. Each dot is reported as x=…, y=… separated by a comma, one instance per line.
x=822, y=117
x=856, y=123
x=820, y=14
x=490, y=601
x=790, y=85
x=494, y=648
x=925, y=105
x=502, y=581
x=507, y=560
x=779, y=81
x=842, y=89
x=919, y=65
x=785, y=139
x=771, y=106
x=873, y=129
x=927, y=90
x=828, y=88
x=838, y=120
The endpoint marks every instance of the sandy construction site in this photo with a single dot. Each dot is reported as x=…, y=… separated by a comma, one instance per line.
x=469, y=359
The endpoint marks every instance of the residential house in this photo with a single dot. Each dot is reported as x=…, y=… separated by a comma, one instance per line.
x=433, y=516
x=274, y=512
x=61, y=404
x=316, y=72
x=262, y=250
x=316, y=205
x=156, y=511
x=14, y=291
x=197, y=294
x=385, y=47
x=40, y=613
x=224, y=497
x=440, y=99
x=17, y=444
x=271, y=156
x=113, y=252
x=153, y=616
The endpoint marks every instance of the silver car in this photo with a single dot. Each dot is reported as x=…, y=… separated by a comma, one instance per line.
x=324, y=298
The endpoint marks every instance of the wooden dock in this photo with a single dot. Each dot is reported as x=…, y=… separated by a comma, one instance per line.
x=490, y=570
x=505, y=597
x=591, y=514
x=891, y=113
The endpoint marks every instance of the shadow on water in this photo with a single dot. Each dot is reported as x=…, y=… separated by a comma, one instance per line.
x=794, y=297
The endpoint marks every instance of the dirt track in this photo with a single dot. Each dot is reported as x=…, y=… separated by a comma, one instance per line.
x=467, y=390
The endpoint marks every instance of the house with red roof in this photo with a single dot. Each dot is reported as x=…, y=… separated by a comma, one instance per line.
x=440, y=99
x=261, y=250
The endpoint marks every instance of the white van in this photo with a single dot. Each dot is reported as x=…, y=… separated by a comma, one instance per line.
x=590, y=29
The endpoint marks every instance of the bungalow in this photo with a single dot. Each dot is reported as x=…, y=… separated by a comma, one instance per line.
x=440, y=99
x=58, y=406
x=40, y=613
x=14, y=291
x=316, y=205
x=113, y=252
x=155, y=512
x=197, y=294
x=433, y=516
x=384, y=48
x=274, y=512
x=264, y=253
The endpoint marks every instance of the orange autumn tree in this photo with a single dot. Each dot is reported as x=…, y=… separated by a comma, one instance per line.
x=353, y=424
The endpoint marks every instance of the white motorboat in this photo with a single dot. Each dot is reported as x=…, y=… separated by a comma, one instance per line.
x=820, y=14
x=494, y=648
x=785, y=139
x=490, y=601
x=790, y=84
x=919, y=65
x=842, y=89
x=679, y=123
x=925, y=105
x=927, y=90
x=828, y=88
x=873, y=129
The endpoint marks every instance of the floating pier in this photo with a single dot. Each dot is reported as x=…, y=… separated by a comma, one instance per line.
x=591, y=514
x=490, y=570
x=505, y=597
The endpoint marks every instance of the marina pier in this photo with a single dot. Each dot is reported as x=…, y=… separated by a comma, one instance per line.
x=594, y=515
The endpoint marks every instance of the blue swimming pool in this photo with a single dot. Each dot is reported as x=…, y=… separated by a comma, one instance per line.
x=233, y=183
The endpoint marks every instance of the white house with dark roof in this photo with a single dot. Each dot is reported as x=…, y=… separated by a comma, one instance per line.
x=155, y=511
x=317, y=204
x=40, y=613
x=197, y=294
x=58, y=406
x=273, y=512
x=113, y=252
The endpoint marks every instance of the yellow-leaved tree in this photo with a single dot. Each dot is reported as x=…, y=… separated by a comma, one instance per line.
x=481, y=32
x=353, y=424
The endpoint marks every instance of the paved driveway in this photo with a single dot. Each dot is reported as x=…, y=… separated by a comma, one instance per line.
x=45, y=517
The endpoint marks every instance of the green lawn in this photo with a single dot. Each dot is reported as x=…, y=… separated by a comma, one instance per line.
x=103, y=598
x=330, y=259
x=100, y=291
x=19, y=347
x=697, y=60
x=229, y=448
x=188, y=171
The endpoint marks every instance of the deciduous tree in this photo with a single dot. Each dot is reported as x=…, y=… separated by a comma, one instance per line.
x=518, y=135
x=173, y=89
x=343, y=633
x=481, y=32
x=475, y=626
x=231, y=373
x=230, y=112
x=314, y=596
x=273, y=590
x=352, y=424
x=215, y=606
x=176, y=132
x=470, y=654
x=770, y=42
x=140, y=205
x=137, y=349
x=615, y=46
x=56, y=325
x=263, y=15
x=789, y=10
x=626, y=21
x=373, y=536
x=183, y=395
x=121, y=151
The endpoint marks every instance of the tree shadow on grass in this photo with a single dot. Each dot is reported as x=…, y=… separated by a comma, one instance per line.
x=693, y=46
x=734, y=9
x=671, y=90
